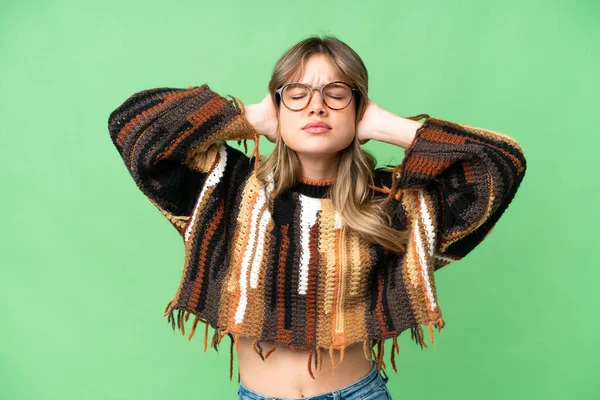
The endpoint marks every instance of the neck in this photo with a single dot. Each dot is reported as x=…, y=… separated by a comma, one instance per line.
x=318, y=168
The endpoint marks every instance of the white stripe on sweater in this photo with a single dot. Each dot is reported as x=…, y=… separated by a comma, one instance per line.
x=255, y=271
x=248, y=252
x=421, y=249
x=212, y=179
x=308, y=218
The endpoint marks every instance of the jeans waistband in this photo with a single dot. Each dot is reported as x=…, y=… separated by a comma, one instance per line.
x=366, y=384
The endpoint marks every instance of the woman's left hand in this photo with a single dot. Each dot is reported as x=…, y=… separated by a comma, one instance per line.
x=369, y=122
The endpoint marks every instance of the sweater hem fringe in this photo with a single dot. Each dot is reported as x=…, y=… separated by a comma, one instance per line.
x=371, y=346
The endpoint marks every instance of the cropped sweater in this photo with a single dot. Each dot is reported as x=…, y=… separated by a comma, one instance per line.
x=285, y=269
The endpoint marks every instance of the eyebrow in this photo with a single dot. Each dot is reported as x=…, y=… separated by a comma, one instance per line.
x=333, y=80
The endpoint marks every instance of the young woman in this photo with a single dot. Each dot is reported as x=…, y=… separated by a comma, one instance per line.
x=312, y=251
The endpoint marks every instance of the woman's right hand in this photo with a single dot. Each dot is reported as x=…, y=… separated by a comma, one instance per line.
x=263, y=117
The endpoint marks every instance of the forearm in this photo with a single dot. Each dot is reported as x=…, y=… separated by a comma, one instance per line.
x=395, y=130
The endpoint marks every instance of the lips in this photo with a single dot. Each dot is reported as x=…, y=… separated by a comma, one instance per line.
x=316, y=124
x=316, y=127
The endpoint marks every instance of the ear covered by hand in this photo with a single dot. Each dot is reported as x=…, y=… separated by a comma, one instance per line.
x=369, y=122
x=263, y=117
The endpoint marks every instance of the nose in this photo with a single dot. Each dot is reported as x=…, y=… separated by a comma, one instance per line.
x=316, y=103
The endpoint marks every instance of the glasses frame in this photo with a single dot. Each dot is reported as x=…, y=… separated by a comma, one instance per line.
x=311, y=90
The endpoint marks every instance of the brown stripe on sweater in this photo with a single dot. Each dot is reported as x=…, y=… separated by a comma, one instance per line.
x=379, y=308
x=415, y=291
x=410, y=273
x=337, y=318
x=401, y=312
x=425, y=165
x=192, y=254
x=297, y=310
x=434, y=133
x=326, y=273
x=388, y=294
x=262, y=287
x=372, y=321
x=218, y=263
x=467, y=167
x=355, y=302
x=327, y=244
x=283, y=335
x=255, y=309
x=312, y=290
x=210, y=230
x=269, y=332
x=366, y=268
x=150, y=113
x=356, y=269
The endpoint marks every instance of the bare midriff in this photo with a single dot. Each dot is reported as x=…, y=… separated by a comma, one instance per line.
x=285, y=373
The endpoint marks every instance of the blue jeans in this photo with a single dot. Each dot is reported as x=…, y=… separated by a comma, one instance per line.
x=372, y=386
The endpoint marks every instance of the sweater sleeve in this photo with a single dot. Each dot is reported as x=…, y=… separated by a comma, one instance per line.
x=465, y=178
x=169, y=138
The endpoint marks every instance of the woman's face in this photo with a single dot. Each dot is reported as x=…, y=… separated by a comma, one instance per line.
x=318, y=72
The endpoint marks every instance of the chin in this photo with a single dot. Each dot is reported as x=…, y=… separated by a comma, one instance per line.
x=318, y=151
x=310, y=143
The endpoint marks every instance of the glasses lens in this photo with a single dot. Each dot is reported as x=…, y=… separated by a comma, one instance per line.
x=295, y=96
x=336, y=95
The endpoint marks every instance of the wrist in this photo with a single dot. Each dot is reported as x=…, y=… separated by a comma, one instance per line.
x=255, y=116
x=395, y=129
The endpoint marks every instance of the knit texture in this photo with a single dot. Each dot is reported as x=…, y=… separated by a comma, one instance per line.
x=286, y=270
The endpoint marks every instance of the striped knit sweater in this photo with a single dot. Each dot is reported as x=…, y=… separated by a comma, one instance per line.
x=285, y=270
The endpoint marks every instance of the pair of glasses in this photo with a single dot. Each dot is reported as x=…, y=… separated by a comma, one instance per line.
x=296, y=96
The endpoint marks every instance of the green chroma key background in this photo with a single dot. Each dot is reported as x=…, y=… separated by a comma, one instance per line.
x=88, y=263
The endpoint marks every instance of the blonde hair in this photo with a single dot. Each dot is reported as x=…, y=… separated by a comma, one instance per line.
x=349, y=193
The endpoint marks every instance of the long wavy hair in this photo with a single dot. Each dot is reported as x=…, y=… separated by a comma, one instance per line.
x=350, y=191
